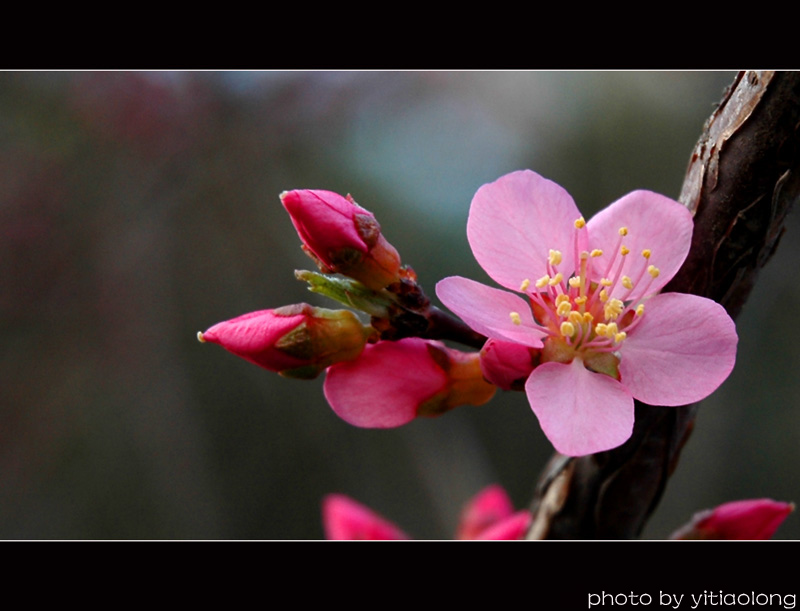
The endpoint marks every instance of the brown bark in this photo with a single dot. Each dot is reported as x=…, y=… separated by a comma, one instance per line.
x=743, y=177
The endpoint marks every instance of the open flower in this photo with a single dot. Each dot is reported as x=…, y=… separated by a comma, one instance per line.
x=738, y=520
x=606, y=336
x=489, y=516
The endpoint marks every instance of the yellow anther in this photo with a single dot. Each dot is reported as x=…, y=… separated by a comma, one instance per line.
x=601, y=328
x=613, y=309
x=564, y=308
x=646, y=253
x=653, y=271
x=576, y=318
x=561, y=299
x=603, y=296
x=588, y=318
x=574, y=282
x=525, y=284
x=580, y=223
x=640, y=309
x=200, y=337
x=623, y=231
x=611, y=330
x=556, y=279
x=555, y=257
x=624, y=250
x=580, y=300
x=515, y=318
x=542, y=282
x=620, y=336
x=605, y=282
x=627, y=282
x=567, y=329
x=597, y=253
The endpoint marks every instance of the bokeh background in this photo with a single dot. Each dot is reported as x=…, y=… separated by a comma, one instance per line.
x=139, y=208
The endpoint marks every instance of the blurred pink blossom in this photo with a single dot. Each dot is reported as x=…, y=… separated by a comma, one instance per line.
x=750, y=519
x=487, y=516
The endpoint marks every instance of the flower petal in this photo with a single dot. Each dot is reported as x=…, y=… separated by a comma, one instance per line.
x=488, y=310
x=515, y=221
x=384, y=387
x=683, y=349
x=580, y=411
x=654, y=222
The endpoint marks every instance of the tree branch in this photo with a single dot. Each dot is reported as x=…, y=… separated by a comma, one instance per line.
x=743, y=177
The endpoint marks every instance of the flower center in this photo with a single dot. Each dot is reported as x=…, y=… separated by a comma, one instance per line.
x=580, y=316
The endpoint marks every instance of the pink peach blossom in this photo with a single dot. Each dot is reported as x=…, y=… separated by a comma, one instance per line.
x=488, y=516
x=749, y=519
x=591, y=306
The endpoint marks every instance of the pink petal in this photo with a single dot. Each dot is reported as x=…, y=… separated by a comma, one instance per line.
x=515, y=221
x=384, y=387
x=683, y=349
x=654, y=222
x=490, y=506
x=344, y=519
x=510, y=529
x=580, y=412
x=488, y=310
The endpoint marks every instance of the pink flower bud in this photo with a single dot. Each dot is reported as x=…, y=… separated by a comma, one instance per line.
x=344, y=519
x=392, y=383
x=508, y=364
x=342, y=237
x=296, y=341
x=750, y=519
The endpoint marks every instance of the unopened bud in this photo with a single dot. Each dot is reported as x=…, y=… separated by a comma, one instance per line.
x=508, y=364
x=342, y=237
x=297, y=341
x=393, y=382
x=750, y=519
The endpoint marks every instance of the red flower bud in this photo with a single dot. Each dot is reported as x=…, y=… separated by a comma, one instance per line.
x=342, y=237
x=508, y=364
x=392, y=383
x=750, y=519
x=296, y=341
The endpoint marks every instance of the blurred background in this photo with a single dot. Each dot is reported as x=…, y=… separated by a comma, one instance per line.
x=139, y=208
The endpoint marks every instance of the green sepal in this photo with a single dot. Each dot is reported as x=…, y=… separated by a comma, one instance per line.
x=348, y=292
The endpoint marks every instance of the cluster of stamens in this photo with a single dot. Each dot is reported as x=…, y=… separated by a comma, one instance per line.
x=580, y=312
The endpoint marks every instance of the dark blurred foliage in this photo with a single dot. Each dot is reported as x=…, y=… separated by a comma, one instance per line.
x=139, y=208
